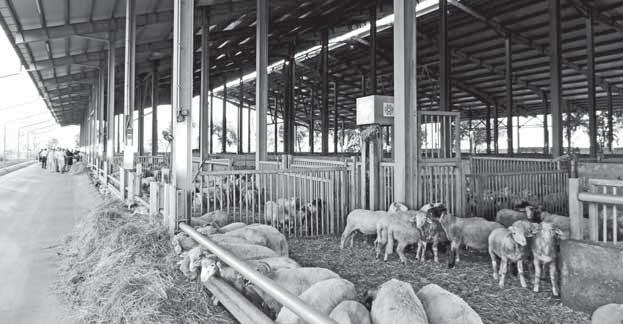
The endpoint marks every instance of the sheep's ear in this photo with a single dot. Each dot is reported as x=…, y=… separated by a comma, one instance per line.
x=429, y=221
x=559, y=233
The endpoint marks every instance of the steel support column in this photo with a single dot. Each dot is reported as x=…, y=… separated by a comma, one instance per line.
x=101, y=85
x=241, y=99
x=129, y=84
x=205, y=108
x=335, y=115
x=155, y=99
x=311, y=120
x=509, y=93
x=555, y=76
x=261, y=84
x=488, y=129
x=444, y=59
x=181, y=100
x=141, y=118
x=373, y=82
x=224, y=119
x=211, y=141
x=610, y=117
x=545, y=124
x=496, y=129
x=405, y=102
x=324, y=75
x=590, y=67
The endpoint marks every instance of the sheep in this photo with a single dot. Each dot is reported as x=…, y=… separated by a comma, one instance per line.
x=217, y=217
x=273, y=263
x=279, y=212
x=249, y=234
x=543, y=248
x=240, y=250
x=396, y=206
x=472, y=232
x=608, y=314
x=275, y=239
x=322, y=296
x=231, y=227
x=211, y=266
x=350, y=312
x=207, y=230
x=311, y=214
x=365, y=221
x=182, y=242
x=295, y=281
x=405, y=233
x=395, y=302
x=413, y=217
x=507, y=244
x=184, y=266
x=563, y=223
x=444, y=307
x=432, y=232
x=507, y=217
x=433, y=209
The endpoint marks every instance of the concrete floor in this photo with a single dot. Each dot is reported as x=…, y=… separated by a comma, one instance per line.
x=37, y=210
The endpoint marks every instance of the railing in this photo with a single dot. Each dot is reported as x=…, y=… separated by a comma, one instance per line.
x=489, y=192
x=298, y=201
x=605, y=210
x=441, y=182
x=269, y=165
x=439, y=137
x=387, y=184
x=156, y=162
x=250, y=314
x=482, y=164
x=298, y=162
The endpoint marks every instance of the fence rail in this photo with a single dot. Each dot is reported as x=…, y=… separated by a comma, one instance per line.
x=489, y=192
x=487, y=164
x=605, y=210
x=299, y=201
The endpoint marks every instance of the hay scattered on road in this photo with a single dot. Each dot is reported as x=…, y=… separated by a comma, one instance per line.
x=78, y=168
x=471, y=280
x=119, y=268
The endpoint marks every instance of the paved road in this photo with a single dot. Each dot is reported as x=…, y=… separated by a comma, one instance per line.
x=37, y=209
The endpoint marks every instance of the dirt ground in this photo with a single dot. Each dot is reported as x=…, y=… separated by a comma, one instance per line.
x=472, y=280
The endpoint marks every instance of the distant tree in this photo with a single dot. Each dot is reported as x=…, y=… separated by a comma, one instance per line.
x=232, y=137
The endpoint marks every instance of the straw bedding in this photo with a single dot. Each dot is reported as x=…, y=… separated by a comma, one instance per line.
x=471, y=280
x=118, y=268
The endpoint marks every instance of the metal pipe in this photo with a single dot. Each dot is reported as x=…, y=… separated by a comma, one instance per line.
x=292, y=302
x=243, y=310
x=600, y=198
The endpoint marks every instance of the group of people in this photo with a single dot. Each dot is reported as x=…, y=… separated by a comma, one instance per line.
x=57, y=159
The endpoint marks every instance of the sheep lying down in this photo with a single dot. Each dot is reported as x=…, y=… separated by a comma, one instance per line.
x=350, y=312
x=444, y=307
x=322, y=296
x=395, y=302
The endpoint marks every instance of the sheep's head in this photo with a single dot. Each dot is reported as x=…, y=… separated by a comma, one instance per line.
x=549, y=232
x=518, y=235
x=446, y=218
x=396, y=207
x=209, y=267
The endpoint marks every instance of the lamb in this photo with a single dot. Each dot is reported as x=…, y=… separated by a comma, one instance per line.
x=242, y=251
x=432, y=232
x=182, y=242
x=184, y=266
x=360, y=220
x=404, y=232
x=543, y=248
x=275, y=239
x=396, y=206
x=395, y=302
x=350, y=312
x=278, y=213
x=507, y=217
x=322, y=296
x=608, y=314
x=296, y=281
x=563, y=223
x=444, y=307
x=507, y=244
x=472, y=232
x=210, y=266
x=207, y=230
x=217, y=217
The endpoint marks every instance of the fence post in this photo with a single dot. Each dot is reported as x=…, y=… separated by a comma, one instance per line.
x=353, y=184
x=106, y=174
x=122, y=182
x=576, y=210
x=131, y=187
x=363, y=182
x=154, y=198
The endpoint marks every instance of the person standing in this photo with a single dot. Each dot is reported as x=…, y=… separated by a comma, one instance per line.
x=43, y=157
x=69, y=156
x=60, y=160
x=52, y=160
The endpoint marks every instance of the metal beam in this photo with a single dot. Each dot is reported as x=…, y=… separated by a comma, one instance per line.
x=610, y=119
x=555, y=55
x=240, y=107
x=110, y=134
x=324, y=74
x=445, y=95
x=205, y=109
x=224, y=119
x=509, y=93
x=372, y=21
x=155, y=99
x=590, y=65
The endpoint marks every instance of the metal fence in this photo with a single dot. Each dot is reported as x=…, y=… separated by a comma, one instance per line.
x=486, y=164
x=298, y=201
x=605, y=210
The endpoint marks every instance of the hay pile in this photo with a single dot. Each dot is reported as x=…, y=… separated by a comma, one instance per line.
x=78, y=168
x=471, y=280
x=119, y=268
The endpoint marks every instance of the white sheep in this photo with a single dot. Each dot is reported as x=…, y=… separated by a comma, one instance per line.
x=182, y=242
x=295, y=281
x=509, y=245
x=507, y=217
x=472, y=232
x=350, y=312
x=443, y=307
x=207, y=230
x=432, y=232
x=211, y=266
x=563, y=223
x=217, y=217
x=323, y=296
x=543, y=246
x=405, y=233
x=275, y=239
x=608, y=314
x=232, y=226
x=396, y=206
x=270, y=264
x=249, y=234
x=360, y=220
x=184, y=266
x=240, y=250
x=395, y=302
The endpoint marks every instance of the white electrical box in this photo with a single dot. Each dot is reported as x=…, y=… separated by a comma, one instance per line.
x=375, y=110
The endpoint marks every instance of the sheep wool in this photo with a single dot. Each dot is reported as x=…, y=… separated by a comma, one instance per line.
x=396, y=303
x=444, y=307
x=322, y=296
x=608, y=314
x=350, y=312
